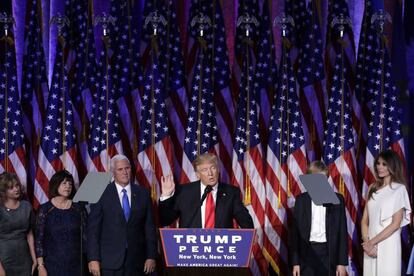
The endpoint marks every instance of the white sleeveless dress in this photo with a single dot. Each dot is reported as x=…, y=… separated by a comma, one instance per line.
x=384, y=204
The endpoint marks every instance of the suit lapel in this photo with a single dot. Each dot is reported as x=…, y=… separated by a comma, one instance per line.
x=308, y=216
x=197, y=220
x=327, y=222
x=220, y=197
x=115, y=198
x=134, y=202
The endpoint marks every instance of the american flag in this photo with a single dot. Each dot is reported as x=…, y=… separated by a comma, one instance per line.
x=58, y=141
x=311, y=77
x=12, y=149
x=35, y=87
x=380, y=100
x=248, y=12
x=344, y=52
x=155, y=157
x=286, y=160
x=216, y=58
x=264, y=89
x=126, y=72
x=176, y=98
x=266, y=72
x=339, y=11
x=172, y=71
x=105, y=138
x=366, y=67
x=201, y=131
x=385, y=125
x=384, y=130
x=82, y=76
x=248, y=166
x=339, y=153
x=222, y=94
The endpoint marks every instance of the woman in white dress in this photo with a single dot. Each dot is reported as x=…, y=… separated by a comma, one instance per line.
x=387, y=210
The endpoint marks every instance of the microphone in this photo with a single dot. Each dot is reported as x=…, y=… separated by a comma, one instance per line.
x=207, y=190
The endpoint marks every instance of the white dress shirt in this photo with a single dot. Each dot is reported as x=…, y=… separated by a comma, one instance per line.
x=318, y=229
x=203, y=207
x=121, y=194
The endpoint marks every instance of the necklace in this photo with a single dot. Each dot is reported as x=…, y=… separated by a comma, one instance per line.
x=61, y=205
x=8, y=209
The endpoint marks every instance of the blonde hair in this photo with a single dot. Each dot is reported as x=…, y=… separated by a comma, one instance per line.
x=317, y=167
x=205, y=158
x=8, y=181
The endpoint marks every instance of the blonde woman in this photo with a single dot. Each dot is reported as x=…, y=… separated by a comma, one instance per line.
x=17, y=256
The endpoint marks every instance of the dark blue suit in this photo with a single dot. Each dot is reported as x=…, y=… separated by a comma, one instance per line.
x=185, y=205
x=113, y=241
x=300, y=248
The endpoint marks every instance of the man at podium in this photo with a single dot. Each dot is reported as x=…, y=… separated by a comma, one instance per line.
x=206, y=203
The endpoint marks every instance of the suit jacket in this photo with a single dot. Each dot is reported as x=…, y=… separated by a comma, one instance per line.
x=336, y=232
x=185, y=205
x=109, y=233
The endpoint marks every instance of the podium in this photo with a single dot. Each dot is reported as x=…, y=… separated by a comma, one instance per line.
x=207, y=251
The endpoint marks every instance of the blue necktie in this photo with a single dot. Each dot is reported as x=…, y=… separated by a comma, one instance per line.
x=125, y=204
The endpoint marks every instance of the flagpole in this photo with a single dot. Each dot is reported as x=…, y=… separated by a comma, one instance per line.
x=153, y=179
x=283, y=21
x=362, y=84
x=279, y=194
x=106, y=46
x=342, y=138
x=131, y=70
x=341, y=21
x=6, y=119
x=61, y=21
x=39, y=90
x=381, y=115
x=62, y=85
x=247, y=198
x=199, y=100
x=90, y=23
x=286, y=48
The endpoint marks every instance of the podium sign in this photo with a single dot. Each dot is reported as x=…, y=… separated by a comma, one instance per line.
x=207, y=247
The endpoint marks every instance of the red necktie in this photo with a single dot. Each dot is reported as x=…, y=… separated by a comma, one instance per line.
x=210, y=211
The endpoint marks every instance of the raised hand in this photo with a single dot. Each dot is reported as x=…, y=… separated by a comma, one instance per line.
x=167, y=185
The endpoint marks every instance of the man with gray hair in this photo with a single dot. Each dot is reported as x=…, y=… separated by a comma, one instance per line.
x=121, y=231
x=206, y=203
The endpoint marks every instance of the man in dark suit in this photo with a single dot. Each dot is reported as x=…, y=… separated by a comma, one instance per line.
x=121, y=231
x=222, y=202
x=318, y=235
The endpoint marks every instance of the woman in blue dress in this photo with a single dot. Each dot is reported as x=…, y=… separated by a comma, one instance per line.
x=59, y=231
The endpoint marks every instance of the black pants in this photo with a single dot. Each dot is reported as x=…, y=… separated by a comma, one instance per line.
x=128, y=268
x=317, y=263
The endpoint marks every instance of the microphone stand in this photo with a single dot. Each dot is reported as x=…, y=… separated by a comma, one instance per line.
x=207, y=190
x=82, y=206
